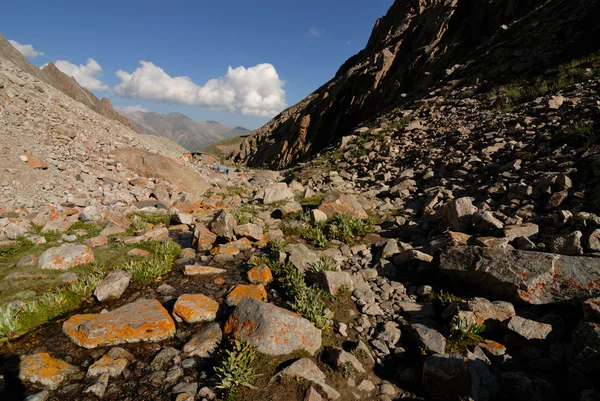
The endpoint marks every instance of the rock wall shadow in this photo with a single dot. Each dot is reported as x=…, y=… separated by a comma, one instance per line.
x=11, y=387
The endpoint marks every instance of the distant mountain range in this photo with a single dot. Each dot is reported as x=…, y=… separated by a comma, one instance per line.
x=192, y=135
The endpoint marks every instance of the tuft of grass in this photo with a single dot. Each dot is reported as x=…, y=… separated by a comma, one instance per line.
x=345, y=228
x=235, y=369
x=147, y=270
x=552, y=81
x=51, y=236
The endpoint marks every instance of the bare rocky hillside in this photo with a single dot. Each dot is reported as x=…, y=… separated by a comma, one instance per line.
x=53, y=76
x=54, y=149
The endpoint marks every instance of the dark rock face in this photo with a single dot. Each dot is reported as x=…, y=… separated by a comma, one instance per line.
x=417, y=45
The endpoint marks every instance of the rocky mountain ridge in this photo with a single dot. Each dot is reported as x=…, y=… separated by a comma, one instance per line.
x=51, y=75
x=192, y=135
x=417, y=48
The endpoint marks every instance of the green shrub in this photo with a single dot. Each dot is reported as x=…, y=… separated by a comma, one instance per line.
x=236, y=367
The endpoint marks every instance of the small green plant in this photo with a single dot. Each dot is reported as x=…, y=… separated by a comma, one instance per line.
x=138, y=225
x=314, y=235
x=236, y=367
x=62, y=106
x=309, y=303
x=9, y=323
x=442, y=299
x=323, y=264
x=92, y=229
x=466, y=330
x=50, y=236
x=277, y=245
x=347, y=370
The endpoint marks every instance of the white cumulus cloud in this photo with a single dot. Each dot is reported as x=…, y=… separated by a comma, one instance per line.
x=26, y=50
x=254, y=91
x=86, y=75
x=133, y=109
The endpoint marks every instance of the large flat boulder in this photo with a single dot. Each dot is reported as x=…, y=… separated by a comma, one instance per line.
x=142, y=320
x=152, y=165
x=271, y=329
x=530, y=277
x=66, y=256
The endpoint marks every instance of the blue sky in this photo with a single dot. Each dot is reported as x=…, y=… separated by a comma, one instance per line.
x=279, y=51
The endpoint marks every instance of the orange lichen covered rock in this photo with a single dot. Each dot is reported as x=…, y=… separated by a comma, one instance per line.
x=96, y=241
x=143, y=320
x=260, y=275
x=232, y=248
x=256, y=291
x=66, y=256
x=194, y=308
x=271, y=329
x=43, y=369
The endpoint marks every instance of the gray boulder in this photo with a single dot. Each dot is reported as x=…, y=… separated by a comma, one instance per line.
x=271, y=329
x=458, y=377
x=531, y=277
x=223, y=224
x=113, y=285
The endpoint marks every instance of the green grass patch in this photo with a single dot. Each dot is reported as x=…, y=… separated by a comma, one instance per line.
x=339, y=227
x=314, y=200
x=584, y=133
x=19, y=248
x=56, y=298
x=92, y=229
x=150, y=218
x=552, y=81
x=51, y=236
x=149, y=269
